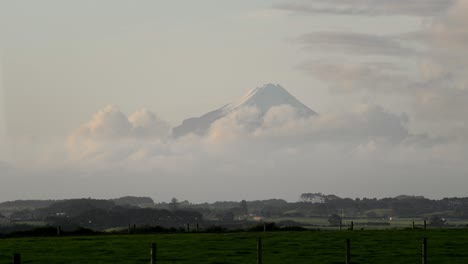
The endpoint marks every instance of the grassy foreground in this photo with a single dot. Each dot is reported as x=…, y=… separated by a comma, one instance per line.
x=384, y=246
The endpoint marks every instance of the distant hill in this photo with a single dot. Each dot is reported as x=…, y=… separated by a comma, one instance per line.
x=133, y=201
x=19, y=205
x=74, y=207
x=403, y=197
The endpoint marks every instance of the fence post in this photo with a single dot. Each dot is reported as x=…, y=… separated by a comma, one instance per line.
x=259, y=250
x=348, y=251
x=424, y=251
x=352, y=226
x=153, y=253
x=197, y=227
x=16, y=258
x=264, y=227
x=425, y=224
x=188, y=228
x=413, y=224
x=341, y=224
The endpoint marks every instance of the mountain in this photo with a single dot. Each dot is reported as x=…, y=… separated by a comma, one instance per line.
x=263, y=98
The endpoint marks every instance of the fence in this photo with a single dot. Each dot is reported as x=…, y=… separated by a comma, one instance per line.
x=153, y=257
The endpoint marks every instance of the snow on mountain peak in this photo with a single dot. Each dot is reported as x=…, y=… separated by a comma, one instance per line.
x=268, y=96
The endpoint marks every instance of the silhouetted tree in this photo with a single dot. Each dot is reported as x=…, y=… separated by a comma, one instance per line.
x=174, y=204
x=334, y=220
x=244, y=206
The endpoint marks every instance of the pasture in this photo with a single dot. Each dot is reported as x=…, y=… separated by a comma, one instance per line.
x=368, y=246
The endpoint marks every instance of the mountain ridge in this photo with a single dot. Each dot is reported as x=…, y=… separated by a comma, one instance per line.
x=263, y=98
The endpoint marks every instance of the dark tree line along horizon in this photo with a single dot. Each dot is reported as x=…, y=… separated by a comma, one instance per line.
x=124, y=211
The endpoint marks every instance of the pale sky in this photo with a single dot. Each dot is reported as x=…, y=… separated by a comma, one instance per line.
x=64, y=61
x=176, y=58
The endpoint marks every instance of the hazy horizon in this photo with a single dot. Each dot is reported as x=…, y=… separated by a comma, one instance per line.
x=89, y=93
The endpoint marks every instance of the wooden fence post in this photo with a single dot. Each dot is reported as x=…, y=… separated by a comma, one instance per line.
x=16, y=258
x=348, y=251
x=153, y=253
x=341, y=224
x=424, y=251
x=413, y=224
x=425, y=224
x=259, y=250
x=197, y=227
x=352, y=226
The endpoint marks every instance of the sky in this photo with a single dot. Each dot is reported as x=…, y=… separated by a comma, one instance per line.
x=89, y=91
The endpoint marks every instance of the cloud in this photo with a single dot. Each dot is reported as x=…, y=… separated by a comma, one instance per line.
x=444, y=107
x=349, y=77
x=449, y=29
x=369, y=8
x=252, y=155
x=279, y=128
x=354, y=43
x=110, y=137
x=146, y=124
x=236, y=125
x=358, y=125
x=425, y=71
x=247, y=155
x=283, y=125
x=440, y=97
x=109, y=125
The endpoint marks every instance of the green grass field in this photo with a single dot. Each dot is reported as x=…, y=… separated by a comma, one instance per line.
x=384, y=246
x=400, y=223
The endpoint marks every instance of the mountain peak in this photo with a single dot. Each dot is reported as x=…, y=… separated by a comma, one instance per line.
x=263, y=98
x=270, y=88
x=268, y=96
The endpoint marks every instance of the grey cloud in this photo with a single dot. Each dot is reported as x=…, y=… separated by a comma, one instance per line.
x=437, y=96
x=358, y=125
x=354, y=43
x=432, y=85
x=441, y=101
x=375, y=77
x=366, y=7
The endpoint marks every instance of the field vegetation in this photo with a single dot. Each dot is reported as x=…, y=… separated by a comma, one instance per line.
x=369, y=246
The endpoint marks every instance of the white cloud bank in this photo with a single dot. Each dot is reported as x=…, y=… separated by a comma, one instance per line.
x=109, y=126
x=246, y=155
